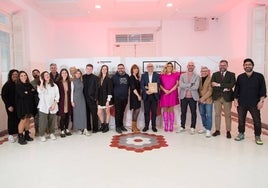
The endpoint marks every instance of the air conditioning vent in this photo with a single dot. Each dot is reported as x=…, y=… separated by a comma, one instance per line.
x=134, y=38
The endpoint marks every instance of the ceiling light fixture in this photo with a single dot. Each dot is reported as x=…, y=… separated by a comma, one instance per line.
x=169, y=5
x=97, y=6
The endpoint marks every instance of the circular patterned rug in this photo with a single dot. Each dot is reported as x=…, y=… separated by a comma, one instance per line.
x=138, y=142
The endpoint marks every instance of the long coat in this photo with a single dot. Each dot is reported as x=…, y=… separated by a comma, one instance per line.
x=205, y=90
x=61, y=100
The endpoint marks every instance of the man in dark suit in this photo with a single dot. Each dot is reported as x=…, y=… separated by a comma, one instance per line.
x=222, y=83
x=150, y=98
x=90, y=82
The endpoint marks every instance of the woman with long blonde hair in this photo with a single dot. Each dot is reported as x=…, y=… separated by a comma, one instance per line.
x=79, y=103
x=169, y=82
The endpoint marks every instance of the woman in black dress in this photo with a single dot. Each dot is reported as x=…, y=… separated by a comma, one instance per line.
x=25, y=104
x=8, y=96
x=135, y=96
x=104, y=98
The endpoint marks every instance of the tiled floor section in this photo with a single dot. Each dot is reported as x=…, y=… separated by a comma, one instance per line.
x=188, y=161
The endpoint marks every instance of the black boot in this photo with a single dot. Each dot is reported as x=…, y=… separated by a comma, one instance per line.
x=106, y=128
x=21, y=139
x=102, y=127
x=27, y=136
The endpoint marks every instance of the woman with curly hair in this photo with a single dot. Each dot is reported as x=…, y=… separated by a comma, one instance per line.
x=25, y=104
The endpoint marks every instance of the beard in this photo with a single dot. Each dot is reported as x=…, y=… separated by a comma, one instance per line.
x=248, y=69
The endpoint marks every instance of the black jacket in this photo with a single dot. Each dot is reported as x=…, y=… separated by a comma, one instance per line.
x=227, y=83
x=90, y=82
x=105, y=89
x=8, y=94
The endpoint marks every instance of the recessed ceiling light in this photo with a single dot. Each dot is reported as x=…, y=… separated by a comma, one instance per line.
x=169, y=5
x=98, y=6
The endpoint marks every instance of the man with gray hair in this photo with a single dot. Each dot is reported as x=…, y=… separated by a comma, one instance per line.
x=54, y=72
x=150, y=98
x=189, y=83
x=205, y=101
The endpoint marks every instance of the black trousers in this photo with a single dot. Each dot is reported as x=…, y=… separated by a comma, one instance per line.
x=150, y=107
x=12, y=122
x=64, y=121
x=192, y=104
x=119, y=106
x=92, y=113
x=256, y=116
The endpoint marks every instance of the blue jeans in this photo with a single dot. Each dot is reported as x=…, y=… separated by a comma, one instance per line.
x=206, y=115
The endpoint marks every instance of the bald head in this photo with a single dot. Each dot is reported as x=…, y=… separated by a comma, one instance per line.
x=190, y=66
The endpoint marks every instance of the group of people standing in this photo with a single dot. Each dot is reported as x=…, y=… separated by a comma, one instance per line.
x=221, y=89
x=56, y=98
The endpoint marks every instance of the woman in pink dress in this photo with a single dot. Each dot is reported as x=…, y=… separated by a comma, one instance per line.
x=169, y=82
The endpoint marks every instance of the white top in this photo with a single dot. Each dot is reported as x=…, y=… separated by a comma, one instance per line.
x=47, y=96
x=150, y=77
x=72, y=91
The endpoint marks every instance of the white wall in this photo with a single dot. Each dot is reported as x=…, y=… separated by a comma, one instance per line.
x=38, y=47
x=40, y=40
x=236, y=35
x=83, y=39
x=39, y=35
x=80, y=39
x=180, y=39
x=236, y=39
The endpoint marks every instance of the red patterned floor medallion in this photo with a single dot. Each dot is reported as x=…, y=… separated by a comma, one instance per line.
x=138, y=142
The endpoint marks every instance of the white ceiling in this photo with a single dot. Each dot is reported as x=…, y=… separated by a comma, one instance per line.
x=129, y=10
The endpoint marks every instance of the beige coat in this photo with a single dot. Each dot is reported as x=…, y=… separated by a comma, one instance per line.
x=205, y=90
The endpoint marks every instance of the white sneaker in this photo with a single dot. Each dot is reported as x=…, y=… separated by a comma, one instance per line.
x=201, y=131
x=11, y=138
x=192, y=131
x=85, y=132
x=52, y=136
x=43, y=138
x=79, y=132
x=181, y=130
x=208, y=133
